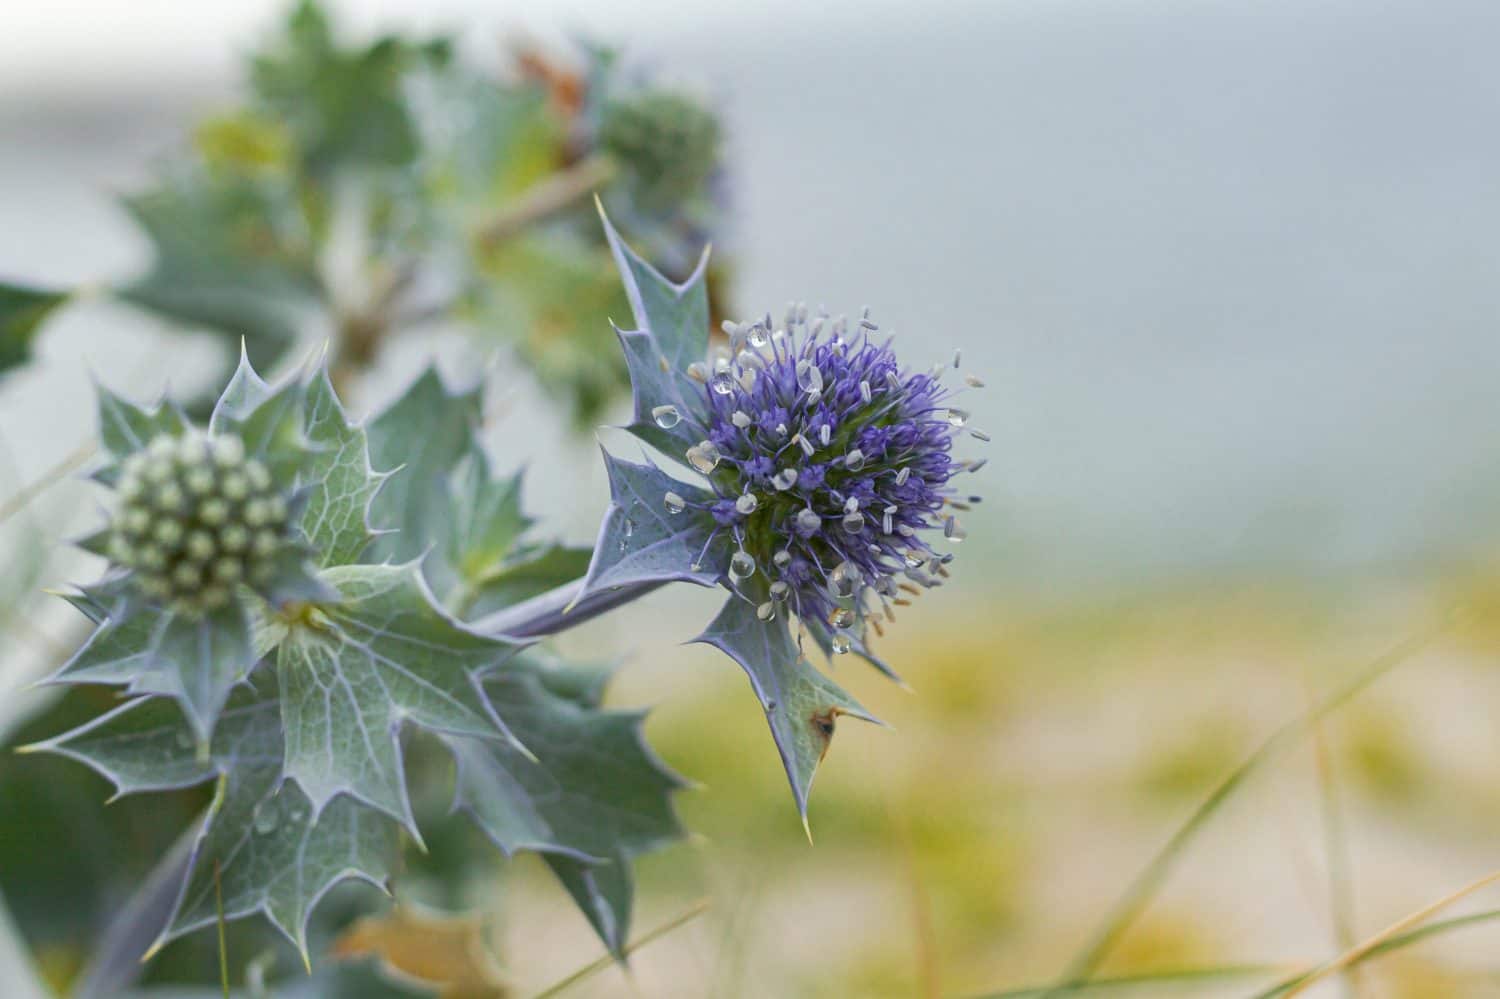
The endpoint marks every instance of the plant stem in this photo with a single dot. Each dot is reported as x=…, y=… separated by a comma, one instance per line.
x=1144, y=886
x=545, y=199
x=23, y=497
x=223, y=944
x=604, y=962
x=558, y=610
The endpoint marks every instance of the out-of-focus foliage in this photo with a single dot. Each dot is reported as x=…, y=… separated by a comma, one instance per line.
x=22, y=311
x=364, y=189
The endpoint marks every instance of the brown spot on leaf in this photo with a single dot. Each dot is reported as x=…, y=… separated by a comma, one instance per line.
x=823, y=723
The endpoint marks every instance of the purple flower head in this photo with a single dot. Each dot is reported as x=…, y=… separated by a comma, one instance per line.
x=832, y=468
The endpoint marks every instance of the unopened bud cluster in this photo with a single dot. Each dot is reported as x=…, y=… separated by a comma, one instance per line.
x=196, y=517
x=668, y=141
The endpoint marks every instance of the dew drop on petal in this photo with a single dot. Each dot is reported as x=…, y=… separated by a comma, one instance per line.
x=840, y=642
x=757, y=337
x=766, y=611
x=746, y=504
x=851, y=504
x=809, y=378
x=267, y=816
x=841, y=617
x=704, y=457
x=844, y=579
x=741, y=566
x=780, y=589
x=854, y=460
x=722, y=382
x=784, y=479
x=675, y=503
x=808, y=520
x=957, y=417
x=666, y=417
x=781, y=560
x=854, y=522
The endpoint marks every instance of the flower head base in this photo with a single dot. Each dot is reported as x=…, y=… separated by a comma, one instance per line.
x=831, y=465
x=195, y=517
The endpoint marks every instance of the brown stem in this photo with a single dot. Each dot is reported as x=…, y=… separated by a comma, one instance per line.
x=545, y=199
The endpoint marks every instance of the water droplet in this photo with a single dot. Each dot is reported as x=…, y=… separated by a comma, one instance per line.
x=666, y=417
x=844, y=579
x=973, y=381
x=902, y=476
x=741, y=566
x=766, y=611
x=854, y=460
x=808, y=521
x=780, y=589
x=267, y=816
x=854, y=522
x=722, y=382
x=841, y=617
x=953, y=530
x=757, y=337
x=913, y=558
x=809, y=378
x=704, y=456
x=746, y=504
x=851, y=504
x=840, y=642
x=781, y=560
x=784, y=479
x=956, y=417
x=675, y=504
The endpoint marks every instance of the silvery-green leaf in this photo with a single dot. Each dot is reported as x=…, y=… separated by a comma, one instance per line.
x=125, y=427
x=423, y=434
x=640, y=541
x=383, y=656
x=671, y=333
x=522, y=577
x=223, y=261
x=22, y=312
x=194, y=660
x=594, y=797
x=801, y=704
x=484, y=516
x=268, y=419
x=337, y=477
x=270, y=853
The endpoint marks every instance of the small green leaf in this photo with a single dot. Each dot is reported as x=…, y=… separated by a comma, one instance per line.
x=523, y=577
x=423, y=434
x=594, y=797
x=341, y=484
x=801, y=704
x=125, y=427
x=356, y=675
x=22, y=312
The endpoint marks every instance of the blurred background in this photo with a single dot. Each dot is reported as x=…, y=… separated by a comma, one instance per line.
x=1229, y=271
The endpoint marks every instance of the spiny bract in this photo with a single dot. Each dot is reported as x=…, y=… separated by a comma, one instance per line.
x=195, y=517
x=831, y=466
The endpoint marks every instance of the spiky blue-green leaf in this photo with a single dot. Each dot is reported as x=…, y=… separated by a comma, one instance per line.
x=193, y=659
x=671, y=333
x=125, y=427
x=594, y=797
x=642, y=541
x=261, y=840
x=339, y=482
x=802, y=705
x=22, y=312
x=360, y=669
x=424, y=433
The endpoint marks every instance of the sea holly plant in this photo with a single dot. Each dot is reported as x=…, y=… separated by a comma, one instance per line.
x=820, y=488
x=274, y=638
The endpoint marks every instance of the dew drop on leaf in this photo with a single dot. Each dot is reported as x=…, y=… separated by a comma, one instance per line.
x=675, y=504
x=666, y=417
